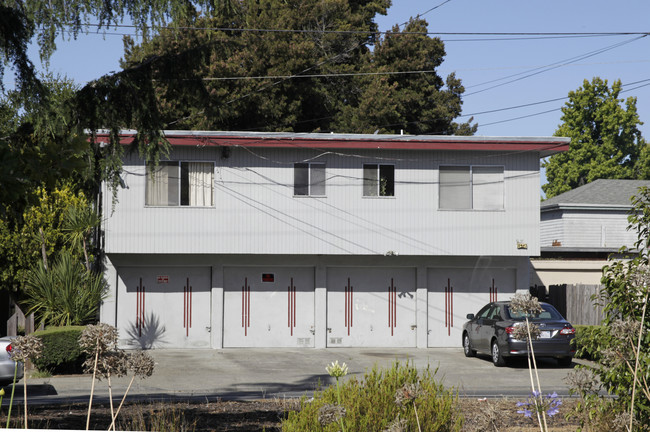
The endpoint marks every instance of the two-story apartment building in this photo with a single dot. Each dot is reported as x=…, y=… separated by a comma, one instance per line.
x=319, y=240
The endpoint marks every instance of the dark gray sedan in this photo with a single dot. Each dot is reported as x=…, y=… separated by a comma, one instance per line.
x=491, y=331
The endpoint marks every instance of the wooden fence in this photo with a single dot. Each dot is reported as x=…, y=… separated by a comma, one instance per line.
x=575, y=303
x=19, y=323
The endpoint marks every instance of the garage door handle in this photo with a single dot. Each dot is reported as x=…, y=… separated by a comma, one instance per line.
x=414, y=326
x=209, y=329
x=329, y=330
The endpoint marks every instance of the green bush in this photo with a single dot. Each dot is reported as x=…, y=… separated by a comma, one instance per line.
x=372, y=405
x=588, y=341
x=61, y=351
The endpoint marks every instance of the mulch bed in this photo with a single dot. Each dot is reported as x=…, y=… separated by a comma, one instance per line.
x=248, y=416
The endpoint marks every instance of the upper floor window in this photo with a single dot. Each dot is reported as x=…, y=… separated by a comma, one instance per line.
x=176, y=183
x=309, y=179
x=378, y=180
x=472, y=187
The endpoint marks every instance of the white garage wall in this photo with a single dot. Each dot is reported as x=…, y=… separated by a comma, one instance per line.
x=319, y=303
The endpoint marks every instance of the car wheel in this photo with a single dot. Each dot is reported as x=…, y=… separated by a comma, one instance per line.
x=497, y=358
x=467, y=347
x=564, y=361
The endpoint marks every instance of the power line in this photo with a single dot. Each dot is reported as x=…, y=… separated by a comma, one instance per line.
x=332, y=75
x=445, y=40
x=387, y=32
x=550, y=67
x=646, y=81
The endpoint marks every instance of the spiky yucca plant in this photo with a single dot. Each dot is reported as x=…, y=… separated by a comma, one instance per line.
x=67, y=294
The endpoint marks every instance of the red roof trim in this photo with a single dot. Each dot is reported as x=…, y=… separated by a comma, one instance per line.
x=476, y=144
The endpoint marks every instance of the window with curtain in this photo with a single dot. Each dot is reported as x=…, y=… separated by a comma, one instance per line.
x=309, y=179
x=471, y=187
x=378, y=180
x=181, y=184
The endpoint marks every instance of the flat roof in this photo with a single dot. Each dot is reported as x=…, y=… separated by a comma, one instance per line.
x=546, y=146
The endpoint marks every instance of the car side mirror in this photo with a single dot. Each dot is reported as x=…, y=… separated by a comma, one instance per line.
x=470, y=316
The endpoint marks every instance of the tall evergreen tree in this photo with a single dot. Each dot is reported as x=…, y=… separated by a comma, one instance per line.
x=318, y=75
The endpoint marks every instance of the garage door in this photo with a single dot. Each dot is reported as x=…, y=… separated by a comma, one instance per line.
x=164, y=307
x=372, y=307
x=268, y=307
x=453, y=293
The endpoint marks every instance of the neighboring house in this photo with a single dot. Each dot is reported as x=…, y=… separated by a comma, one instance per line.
x=581, y=228
x=319, y=240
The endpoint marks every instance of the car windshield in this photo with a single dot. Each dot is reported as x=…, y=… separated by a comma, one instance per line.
x=548, y=313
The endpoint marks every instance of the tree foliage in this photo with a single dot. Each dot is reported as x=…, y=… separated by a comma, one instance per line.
x=45, y=20
x=42, y=227
x=605, y=139
x=324, y=75
x=625, y=352
x=40, y=145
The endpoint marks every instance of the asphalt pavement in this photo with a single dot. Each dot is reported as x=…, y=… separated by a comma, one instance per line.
x=245, y=374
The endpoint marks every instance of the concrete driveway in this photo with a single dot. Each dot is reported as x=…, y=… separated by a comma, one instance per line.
x=270, y=373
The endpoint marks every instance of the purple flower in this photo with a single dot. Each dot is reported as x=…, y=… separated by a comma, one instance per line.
x=525, y=412
x=536, y=402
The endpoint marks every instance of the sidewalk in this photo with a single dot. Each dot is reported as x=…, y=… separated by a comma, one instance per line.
x=240, y=374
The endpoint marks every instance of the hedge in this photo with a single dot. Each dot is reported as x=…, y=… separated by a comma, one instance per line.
x=61, y=351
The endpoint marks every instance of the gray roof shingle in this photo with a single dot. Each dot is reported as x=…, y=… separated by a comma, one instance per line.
x=604, y=192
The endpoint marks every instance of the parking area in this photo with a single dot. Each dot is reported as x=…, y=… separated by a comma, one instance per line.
x=252, y=373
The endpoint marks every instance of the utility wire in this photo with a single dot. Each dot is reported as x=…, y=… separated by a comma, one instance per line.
x=550, y=67
x=445, y=40
x=370, y=32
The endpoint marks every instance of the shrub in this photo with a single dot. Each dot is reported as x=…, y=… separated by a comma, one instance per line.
x=588, y=341
x=65, y=294
x=376, y=404
x=61, y=350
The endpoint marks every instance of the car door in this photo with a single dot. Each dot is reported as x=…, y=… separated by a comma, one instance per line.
x=488, y=326
x=477, y=332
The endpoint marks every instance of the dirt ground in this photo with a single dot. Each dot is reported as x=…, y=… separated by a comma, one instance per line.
x=260, y=415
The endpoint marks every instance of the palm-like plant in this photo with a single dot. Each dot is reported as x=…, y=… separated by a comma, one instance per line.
x=79, y=224
x=67, y=294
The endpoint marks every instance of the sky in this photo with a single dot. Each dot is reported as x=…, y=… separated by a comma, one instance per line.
x=515, y=77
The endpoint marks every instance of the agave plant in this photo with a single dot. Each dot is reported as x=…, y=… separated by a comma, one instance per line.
x=67, y=294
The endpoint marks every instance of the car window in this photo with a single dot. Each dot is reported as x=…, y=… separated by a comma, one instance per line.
x=483, y=313
x=495, y=313
x=548, y=313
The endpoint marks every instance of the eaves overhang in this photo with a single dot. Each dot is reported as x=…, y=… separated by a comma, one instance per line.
x=584, y=207
x=577, y=249
x=545, y=146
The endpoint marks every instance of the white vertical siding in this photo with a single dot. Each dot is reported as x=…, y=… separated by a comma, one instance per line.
x=551, y=229
x=578, y=228
x=256, y=211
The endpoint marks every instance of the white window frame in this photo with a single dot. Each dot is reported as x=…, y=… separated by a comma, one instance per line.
x=372, y=187
x=178, y=198
x=315, y=185
x=474, y=185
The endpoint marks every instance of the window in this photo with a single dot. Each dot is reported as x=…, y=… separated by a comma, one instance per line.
x=378, y=180
x=309, y=179
x=471, y=187
x=180, y=183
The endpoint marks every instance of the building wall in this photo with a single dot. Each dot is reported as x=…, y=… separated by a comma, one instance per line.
x=586, y=229
x=221, y=301
x=549, y=272
x=266, y=268
x=256, y=211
